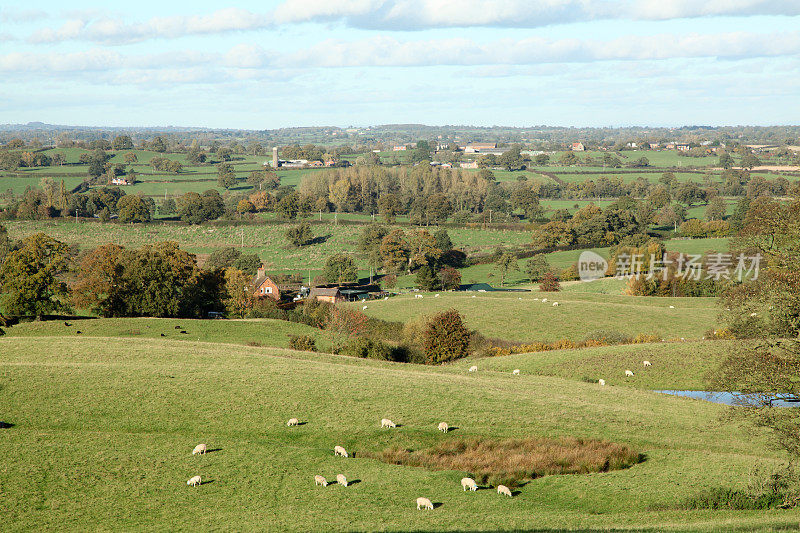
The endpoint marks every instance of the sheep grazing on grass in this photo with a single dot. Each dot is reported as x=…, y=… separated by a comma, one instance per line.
x=435, y=295
x=544, y=300
x=602, y=382
x=319, y=480
x=473, y=368
x=555, y=304
x=502, y=489
x=473, y=296
x=386, y=423
x=753, y=314
x=516, y=372
x=417, y=296
x=341, y=480
x=200, y=448
x=364, y=308
x=646, y=364
x=672, y=307
x=444, y=427
x=292, y=422
x=338, y=450
x=468, y=483
x=628, y=374
x=193, y=482
x=424, y=503
x=385, y=298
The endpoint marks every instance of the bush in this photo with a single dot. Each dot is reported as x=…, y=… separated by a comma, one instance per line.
x=300, y=235
x=445, y=338
x=371, y=349
x=305, y=343
x=766, y=489
x=549, y=283
x=608, y=337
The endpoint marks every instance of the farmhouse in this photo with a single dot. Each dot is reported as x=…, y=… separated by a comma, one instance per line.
x=331, y=295
x=682, y=147
x=264, y=286
x=121, y=181
x=469, y=164
x=577, y=147
x=474, y=148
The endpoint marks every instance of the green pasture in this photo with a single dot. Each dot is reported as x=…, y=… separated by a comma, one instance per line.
x=103, y=430
x=523, y=317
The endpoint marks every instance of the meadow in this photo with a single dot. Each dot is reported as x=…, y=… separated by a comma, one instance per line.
x=102, y=431
x=520, y=317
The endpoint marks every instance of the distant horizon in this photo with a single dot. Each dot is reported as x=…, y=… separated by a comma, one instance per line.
x=388, y=124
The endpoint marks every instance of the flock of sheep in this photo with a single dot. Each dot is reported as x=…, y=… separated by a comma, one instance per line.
x=467, y=483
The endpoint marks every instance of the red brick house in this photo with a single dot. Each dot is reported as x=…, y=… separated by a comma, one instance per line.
x=263, y=286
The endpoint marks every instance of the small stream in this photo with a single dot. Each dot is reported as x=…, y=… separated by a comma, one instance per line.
x=728, y=398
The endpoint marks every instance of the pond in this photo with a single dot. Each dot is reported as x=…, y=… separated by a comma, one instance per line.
x=729, y=398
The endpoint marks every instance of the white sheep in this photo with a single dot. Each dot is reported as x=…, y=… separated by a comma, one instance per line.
x=338, y=450
x=424, y=503
x=435, y=295
x=473, y=368
x=646, y=364
x=628, y=374
x=753, y=314
x=468, y=483
x=200, y=448
x=193, y=482
x=292, y=422
x=672, y=307
x=555, y=304
x=473, y=296
x=515, y=372
x=502, y=489
x=364, y=308
x=341, y=480
x=444, y=427
x=386, y=423
x=385, y=298
x=536, y=299
x=319, y=480
x=544, y=300
x=602, y=382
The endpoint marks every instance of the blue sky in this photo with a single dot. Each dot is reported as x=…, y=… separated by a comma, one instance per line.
x=285, y=63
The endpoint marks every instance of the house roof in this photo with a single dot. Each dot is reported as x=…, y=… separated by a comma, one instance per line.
x=260, y=279
x=325, y=291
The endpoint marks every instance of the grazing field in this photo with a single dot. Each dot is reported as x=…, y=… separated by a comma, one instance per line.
x=254, y=332
x=519, y=317
x=675, y=365
x=268, y=241
x=102, y=432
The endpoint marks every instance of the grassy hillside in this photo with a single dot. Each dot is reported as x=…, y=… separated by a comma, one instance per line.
x=260, y=332
x=675, y=365
x=104, y=428
x=519, y=317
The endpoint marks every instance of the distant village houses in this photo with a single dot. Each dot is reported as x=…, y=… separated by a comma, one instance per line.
x=578, y=147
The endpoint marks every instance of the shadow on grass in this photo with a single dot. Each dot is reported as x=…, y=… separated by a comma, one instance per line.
x=6, y=425
x=353, y=482
x=212, y=450
x=319, y=239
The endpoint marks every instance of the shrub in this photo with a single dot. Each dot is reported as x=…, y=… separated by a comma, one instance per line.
x=372, y=349
x=766, y=489
x=608, y=337
x=445, y=338
x=549, y=283
x=300, y=235
x=302, y=342
x=348, y=321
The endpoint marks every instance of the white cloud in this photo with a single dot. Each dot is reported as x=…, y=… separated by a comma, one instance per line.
x=110, y=30
x=427, y=14
x=386, y=51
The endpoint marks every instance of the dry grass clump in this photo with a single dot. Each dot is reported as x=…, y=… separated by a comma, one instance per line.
x=513, y=461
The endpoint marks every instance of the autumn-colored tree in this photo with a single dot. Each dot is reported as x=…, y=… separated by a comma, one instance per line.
x=239, y=294
x=450, y=278
x=30, y=277
x=394, y=251
x=350, y=322
x=422, y=250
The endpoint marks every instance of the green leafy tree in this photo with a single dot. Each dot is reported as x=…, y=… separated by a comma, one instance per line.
x=158, y=145
x=442, y=239
x=536, y=267
x=122, y=142
x=445, y=338
x=426, y=279
x=198, y=208
x=394, y=251
x=133, y=208
x=749, y=161
x=725, y=160
x=506, y=262
x=716, y=208
x=30, y=277
x=340, y=268
x=226, y=177
x=300, y=235
x=289, y=206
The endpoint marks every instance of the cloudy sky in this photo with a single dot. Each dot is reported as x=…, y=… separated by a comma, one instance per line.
x=360, y=62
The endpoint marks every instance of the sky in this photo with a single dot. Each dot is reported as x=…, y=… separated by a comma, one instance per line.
x=287, y=63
